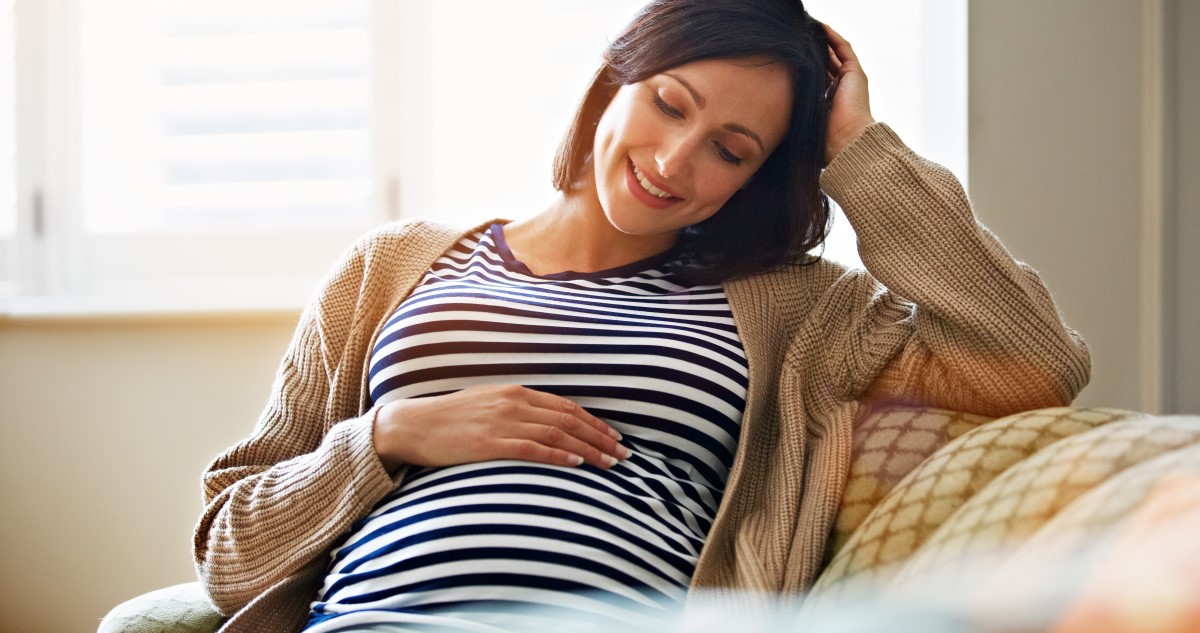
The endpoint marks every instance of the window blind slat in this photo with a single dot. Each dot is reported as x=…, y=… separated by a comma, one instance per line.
x=233, y=113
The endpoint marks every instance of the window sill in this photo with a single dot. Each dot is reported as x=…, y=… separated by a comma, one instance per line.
x=276, y=299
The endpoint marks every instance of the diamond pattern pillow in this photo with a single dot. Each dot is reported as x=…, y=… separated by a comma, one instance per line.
x=888, y=444
x=1025, y=499
x=931, y=516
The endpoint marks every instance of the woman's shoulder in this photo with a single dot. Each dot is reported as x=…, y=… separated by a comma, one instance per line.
x=812, y=277
x=788, y=295
x=415, y=230
x=413, y=237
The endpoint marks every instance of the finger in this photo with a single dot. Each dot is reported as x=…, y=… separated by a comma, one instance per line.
x=841, y=47
x=554, y=437
x=846, y=58
x=531, y=451
x=563, y=405
x=835, y=64
x=580, y=433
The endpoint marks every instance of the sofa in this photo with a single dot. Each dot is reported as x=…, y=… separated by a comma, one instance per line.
x=1065, y=519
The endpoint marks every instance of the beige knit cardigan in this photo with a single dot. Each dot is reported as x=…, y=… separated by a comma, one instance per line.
x=944, y=317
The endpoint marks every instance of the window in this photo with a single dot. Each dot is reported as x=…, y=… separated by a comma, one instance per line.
x=8, y=147
x=170, y=152
x=224, y=115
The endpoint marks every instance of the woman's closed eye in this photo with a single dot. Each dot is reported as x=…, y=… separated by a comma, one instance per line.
x=666, y=108
x=727, y=156
x=722, y=152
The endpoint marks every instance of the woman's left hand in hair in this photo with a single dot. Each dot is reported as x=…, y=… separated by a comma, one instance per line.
x=850, y=112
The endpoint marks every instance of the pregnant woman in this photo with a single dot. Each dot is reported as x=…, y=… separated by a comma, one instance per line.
x=643, y=394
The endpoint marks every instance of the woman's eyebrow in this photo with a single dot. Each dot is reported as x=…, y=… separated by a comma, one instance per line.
x=745, y=131
x=696, y=96
x=732, y=127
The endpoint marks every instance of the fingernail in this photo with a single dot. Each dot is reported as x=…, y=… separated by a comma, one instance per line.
x=615, y=434
x=625, y=452
x=610, y=460
x=577, y=460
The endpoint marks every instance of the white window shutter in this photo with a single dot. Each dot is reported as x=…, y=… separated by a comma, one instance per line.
x=225, y=115
x=8, y=148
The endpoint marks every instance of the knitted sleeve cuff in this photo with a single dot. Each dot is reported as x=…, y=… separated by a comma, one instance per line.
x=857, y=160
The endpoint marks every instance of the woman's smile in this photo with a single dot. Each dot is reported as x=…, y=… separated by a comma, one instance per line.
x=646, y=190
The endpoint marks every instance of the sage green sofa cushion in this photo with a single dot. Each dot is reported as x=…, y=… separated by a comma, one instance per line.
x=177, y=609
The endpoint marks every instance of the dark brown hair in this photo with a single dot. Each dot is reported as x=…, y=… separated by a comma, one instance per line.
x=781, y=214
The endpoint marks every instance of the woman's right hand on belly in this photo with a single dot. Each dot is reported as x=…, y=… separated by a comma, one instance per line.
x=490, y=422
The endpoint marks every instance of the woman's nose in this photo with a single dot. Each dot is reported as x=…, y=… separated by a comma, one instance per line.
x=673, y=157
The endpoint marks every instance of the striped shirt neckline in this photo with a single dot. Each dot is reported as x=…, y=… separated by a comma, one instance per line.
x=513, y=264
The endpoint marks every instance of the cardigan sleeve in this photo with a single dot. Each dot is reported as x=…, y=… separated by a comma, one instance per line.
x=943, y=316
x=276, y=501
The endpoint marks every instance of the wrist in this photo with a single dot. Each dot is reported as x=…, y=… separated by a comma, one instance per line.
x=843, y=137
x=387, y=436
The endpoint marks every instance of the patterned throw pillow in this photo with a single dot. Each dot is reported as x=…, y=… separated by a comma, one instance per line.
x=889, y=442
x=1147, y=580
x=1045, y=477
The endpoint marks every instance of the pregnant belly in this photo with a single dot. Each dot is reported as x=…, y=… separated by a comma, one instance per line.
x=487, y=541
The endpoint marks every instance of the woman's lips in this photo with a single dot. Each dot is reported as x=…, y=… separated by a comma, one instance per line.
x=643, y=196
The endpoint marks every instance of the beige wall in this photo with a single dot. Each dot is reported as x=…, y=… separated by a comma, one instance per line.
x=1057, y=103
x=107, y=425
x=1054, y=141
x=1183, y=255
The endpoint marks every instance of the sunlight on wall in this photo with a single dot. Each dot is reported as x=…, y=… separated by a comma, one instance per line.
x=915, y=55
x=506, y=85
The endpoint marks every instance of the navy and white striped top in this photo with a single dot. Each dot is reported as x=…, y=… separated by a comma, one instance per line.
x=519, y=546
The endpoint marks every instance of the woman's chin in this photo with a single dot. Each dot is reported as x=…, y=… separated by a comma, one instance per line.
x=658, y=236
x=634, y=227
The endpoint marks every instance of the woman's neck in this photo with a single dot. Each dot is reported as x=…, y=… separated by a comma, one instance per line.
x=574, y=234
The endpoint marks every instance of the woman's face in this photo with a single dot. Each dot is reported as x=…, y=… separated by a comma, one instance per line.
x=671, y=150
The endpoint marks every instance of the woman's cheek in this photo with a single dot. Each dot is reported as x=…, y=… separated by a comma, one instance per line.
x=721, y=188
x=604, y=137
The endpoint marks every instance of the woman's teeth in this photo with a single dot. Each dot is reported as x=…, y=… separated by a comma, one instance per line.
x=654, y=191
